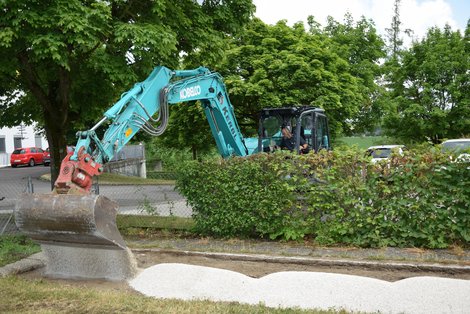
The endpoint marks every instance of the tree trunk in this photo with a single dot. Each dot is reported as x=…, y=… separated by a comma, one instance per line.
x=53, y=98
x=56, y=138
x=56, y=120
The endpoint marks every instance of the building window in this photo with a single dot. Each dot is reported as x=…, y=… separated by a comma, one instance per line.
x=2, y=144
x=37, y=140
x=17, y=142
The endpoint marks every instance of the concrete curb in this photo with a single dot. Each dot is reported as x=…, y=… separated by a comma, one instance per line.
x=378, y=265
x=38, y=260
x=26, y=264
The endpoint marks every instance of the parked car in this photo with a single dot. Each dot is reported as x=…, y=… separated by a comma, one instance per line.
x=383, y=152
x=47, y=154
x=47, y=157
x=460, y=147
x=27, y=156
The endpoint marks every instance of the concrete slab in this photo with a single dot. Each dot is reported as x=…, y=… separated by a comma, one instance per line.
x=26, y=264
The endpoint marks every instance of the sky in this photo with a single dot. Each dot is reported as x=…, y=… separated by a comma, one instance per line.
x=417, y=15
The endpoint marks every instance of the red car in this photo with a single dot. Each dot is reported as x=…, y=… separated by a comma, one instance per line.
x=27, y=156
x=47, y=155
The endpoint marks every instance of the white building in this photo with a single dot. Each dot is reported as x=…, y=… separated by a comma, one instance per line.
x=21, y=136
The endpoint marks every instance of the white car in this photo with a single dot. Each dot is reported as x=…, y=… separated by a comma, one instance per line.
x=384, y=152
x=456, y=146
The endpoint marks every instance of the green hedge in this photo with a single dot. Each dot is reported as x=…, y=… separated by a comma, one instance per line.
x=340, y=197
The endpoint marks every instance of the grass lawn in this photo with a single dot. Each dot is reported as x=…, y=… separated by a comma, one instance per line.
x=363, y=142
x=40, y=296
x=14, y=248
x=155, y=222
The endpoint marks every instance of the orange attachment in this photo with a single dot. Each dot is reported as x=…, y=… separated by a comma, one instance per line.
x=76, y=176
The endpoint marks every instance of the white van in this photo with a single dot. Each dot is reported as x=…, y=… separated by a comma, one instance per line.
x=384, y=152
x=457, y=146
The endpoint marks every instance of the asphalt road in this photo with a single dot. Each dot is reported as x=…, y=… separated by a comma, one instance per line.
x=14, y=181
x=9, y=174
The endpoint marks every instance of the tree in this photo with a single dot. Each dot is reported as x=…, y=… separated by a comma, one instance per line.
x=64, y=61
x=359, y=44
x=395, y=42
x=188, y=129
x=391, y=80
x=275, y=66
x=434, y=98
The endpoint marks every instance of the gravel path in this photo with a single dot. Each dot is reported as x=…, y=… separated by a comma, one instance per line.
x=306, y=290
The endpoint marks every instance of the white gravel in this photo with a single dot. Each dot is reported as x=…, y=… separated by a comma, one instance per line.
x=306, y=290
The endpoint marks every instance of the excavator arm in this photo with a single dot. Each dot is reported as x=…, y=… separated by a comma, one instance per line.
x=135, y=111
x=211, y=91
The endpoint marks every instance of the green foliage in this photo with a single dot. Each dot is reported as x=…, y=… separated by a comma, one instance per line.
x=359, y=44
x=14, y=248
x=278, y=65
x=363, y=142
x=431, y=89
x=410, y=201
x=239, y=197
x=420, y=199
x=170, y=158
x=188, y=129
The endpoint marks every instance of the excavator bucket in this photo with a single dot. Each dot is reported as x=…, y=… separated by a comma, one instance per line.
x=77, y=234
x=72, y=219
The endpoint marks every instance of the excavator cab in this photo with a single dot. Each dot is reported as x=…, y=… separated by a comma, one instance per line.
x=304, y=122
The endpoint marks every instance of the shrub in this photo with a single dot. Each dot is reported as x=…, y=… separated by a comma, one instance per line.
x=420, y=199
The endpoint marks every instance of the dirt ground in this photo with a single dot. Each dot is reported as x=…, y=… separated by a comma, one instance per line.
x=250, y=268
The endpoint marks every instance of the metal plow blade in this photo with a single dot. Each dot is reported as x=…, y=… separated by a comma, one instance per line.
x=78, y=235
x=73, y=219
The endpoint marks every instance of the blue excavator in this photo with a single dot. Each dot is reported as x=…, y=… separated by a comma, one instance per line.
x=72, y=217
